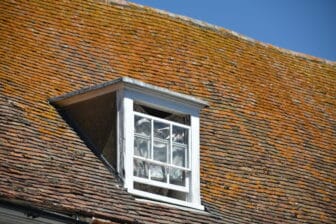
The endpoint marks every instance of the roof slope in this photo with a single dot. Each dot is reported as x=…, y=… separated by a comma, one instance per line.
x=268, y=138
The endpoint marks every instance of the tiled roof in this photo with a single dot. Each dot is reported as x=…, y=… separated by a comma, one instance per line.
x=268, y=137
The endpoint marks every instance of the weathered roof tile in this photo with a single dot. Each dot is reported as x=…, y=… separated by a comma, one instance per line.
x=267, y=139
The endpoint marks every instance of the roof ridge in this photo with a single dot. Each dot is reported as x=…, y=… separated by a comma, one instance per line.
x=217, y=28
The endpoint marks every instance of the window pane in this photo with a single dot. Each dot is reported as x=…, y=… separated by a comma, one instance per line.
x=177, y=177
x=180, y=118
x=160, y=151
x=161, y=130
x=142, y=125
x=140, y=168
x=141, y=147
x=179, y=155
x=158, y=173
x=180, y=135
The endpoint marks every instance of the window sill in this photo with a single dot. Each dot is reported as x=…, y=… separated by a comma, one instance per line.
x=153, y=198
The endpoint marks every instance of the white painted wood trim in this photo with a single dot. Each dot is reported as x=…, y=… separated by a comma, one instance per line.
x=162, y=163
x=126, y=83
x=128, y=141
x=160, y=184
x=166, y=199
x=159, y=102
x=195, y=160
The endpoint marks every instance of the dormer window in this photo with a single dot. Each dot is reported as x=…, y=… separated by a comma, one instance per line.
x=153, y=142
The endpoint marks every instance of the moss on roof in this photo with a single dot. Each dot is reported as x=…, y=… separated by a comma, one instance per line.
x=267, y=138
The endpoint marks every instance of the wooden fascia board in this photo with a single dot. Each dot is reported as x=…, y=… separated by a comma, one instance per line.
x=126, y=83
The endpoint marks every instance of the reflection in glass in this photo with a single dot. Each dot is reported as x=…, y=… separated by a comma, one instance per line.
x=142, y=125
x=141, y=147
x=177, y=177
x=158, y=173
x=161, y=130
x=140, y=168
x=160, y=151
x=179, y=156
x=180, y=135
x=156, y=141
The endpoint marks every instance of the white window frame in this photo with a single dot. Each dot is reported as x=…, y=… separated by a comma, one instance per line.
x=152, y=161
x=127, y=98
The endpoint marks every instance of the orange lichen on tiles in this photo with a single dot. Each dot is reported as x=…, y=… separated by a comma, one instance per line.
x=267, y=138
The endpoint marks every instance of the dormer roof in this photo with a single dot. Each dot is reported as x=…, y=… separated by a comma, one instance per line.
x=125, y=83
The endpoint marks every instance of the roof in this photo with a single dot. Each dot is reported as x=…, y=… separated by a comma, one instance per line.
x=268, y=137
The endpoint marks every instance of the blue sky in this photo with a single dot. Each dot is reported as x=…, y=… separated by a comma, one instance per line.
x=306, y=26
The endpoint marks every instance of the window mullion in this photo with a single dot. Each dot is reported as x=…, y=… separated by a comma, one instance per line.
x=188, y=156
x=170, y=151
x=161, y=163
x=151, y=148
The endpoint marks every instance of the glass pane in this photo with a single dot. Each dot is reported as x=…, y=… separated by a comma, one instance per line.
x=141, y=147
x=179, y=156
x=177, y=177
x=158, y=173
x=180, y=118
x=160, y=151
x=142, y=125
x=140, y=168
x=180, y=135
x=161, y=130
